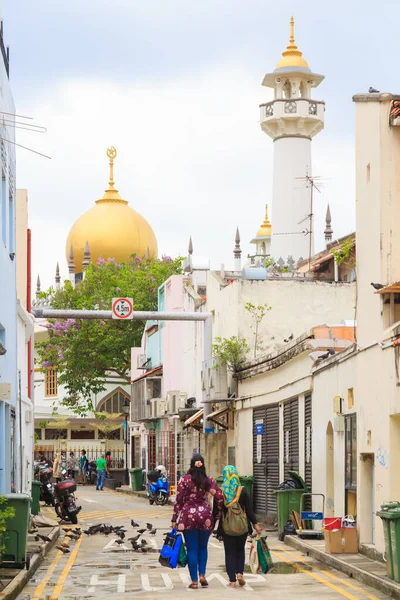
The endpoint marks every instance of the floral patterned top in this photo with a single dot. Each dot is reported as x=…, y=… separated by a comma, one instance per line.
x=192, y=508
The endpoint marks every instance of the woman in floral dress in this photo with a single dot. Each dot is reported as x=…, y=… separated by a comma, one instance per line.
x=193, y=513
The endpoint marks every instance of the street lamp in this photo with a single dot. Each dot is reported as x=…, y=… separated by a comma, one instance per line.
x=126, y=408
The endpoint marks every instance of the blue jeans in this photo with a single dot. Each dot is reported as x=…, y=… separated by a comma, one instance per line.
x=197, y=552
x=101, y=475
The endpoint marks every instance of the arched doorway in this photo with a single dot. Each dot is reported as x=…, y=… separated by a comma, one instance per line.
x=330, y=472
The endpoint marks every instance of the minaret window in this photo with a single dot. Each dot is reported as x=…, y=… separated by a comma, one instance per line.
x=263, y=248
x=287, y=89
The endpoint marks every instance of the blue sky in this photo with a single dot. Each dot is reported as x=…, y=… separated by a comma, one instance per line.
x=175, y=85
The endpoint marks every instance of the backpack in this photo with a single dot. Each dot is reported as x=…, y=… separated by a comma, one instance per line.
x=235, y=521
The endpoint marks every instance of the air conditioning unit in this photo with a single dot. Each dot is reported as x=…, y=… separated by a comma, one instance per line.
x=141, y=360
x=157, y=408
x=28, y=416
x=175, y=401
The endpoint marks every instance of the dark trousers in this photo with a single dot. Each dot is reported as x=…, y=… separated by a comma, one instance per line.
x=234, y=555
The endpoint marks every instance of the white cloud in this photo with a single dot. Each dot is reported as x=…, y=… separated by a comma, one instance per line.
x=191, y=158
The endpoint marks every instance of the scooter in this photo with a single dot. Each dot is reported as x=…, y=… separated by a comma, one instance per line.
x=65, y=503
x=47, y=490
x=157, y=488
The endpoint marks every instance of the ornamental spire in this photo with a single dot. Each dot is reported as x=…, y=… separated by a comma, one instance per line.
x=328, y=229
x=111, y=194
x=86, y=256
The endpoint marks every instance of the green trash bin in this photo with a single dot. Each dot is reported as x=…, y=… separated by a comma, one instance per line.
x=390, y=515
x=16, y=534
x=136, y=479
x=288, y=501
x=35, y=506
x=247, y=482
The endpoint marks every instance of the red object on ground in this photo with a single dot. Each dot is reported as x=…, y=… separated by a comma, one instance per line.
x=331, y=523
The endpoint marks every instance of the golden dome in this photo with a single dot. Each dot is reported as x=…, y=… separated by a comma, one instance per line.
x=266, y=227
x=111, y=228
x=292, y=57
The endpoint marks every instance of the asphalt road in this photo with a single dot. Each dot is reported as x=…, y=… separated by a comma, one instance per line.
x=96, y=567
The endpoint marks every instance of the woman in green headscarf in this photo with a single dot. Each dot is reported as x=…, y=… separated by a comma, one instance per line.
x=235, y=495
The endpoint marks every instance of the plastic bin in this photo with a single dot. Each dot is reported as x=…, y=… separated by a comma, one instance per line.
x=288, y=501
x=331, y=523
x=390, y=515
x=247, y=482
x=16, y=534
x=35, y=505
x=136, y=479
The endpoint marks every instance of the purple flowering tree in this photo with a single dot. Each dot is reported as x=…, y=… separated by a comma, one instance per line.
x=83, y=352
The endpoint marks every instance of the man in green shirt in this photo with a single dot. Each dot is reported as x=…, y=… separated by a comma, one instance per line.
x=102, y=469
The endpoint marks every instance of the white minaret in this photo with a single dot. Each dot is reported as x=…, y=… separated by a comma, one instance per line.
x=291, y=120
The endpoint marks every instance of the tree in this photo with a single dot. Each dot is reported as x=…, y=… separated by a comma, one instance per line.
x=83, y=352
x=258, y=313
x=230, y=352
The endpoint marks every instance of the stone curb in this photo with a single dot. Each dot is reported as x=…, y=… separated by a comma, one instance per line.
x=17, y=584
x=386, y=586
x=139, y=494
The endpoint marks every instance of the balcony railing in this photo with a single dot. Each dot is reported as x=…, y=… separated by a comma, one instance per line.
x=296, y=107
x=5, y=51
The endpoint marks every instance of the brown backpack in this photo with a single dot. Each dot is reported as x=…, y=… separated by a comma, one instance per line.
x=235, y=521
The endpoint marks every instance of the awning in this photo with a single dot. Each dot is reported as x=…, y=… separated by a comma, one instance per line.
x=217, y=415
x=152, y=372
x=195, y=420
x=392, y=288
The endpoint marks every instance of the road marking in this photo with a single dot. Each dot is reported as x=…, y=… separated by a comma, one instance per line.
x=315, y=576
x=148, y=588
x=61, y=580
x=153, y=542
x=343, y=581
x=120, y=583
x=40, y=588
x=112, y=543
x=90, y=500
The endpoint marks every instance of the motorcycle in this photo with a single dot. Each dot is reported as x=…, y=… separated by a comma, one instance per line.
x=45, y=473
x=157, y=487
x=91, y=473
x=65, y=503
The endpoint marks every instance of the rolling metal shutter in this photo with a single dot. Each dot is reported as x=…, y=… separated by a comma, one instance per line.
x=266, y=471
x=291, y=436
x=308, y=442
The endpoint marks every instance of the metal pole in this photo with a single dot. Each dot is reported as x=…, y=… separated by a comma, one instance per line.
x=126, y=451
x=208, y=426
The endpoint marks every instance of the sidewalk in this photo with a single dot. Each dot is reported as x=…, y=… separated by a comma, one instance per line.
x=358, y=566
x=126, y=489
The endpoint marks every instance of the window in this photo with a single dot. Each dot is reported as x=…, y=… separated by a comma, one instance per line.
x=113, y=402
x=110, y=435
x=51, y=382
x=350, y=398
x=351, y=452
x=55, y=434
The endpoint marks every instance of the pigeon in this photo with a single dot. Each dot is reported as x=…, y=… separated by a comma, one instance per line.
x=119, y=542
x=373, y=91
x=331, y=351
x=65, y=544
x=143, y=542
x=120, y=534
x=63, y=550
x=323, y=356
x=72, y=536
x=377, y=286
x=134, y=524
x=44, y=538
x=149, y=526
x=289, y=338
x=135, y=546
x=153, y=531
x=144, y=550
x=32, y=531
x=141, y=531
x=134, y=539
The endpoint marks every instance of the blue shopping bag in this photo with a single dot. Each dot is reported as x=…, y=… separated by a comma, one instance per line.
x=169, y=554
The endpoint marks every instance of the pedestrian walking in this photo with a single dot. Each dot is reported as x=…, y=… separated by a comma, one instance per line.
x=236, y=523
x=108, y=459
x=83, y=463
x=72, y=463
x=193, y=512
x=102, y=469
x=63, y=460
x=57, y=470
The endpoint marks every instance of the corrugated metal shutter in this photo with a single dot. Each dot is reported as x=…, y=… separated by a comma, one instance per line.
x=259, y=468
x=291, y=436
x=266, y=472
x=272, y=451
x=308, y=442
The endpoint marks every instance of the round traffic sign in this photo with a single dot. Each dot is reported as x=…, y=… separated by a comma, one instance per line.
x=122, y=308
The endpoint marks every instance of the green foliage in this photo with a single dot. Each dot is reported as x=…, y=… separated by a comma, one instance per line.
x=269, y=262
x=344, y=253
x=84, y=351
x=258, y=313
x=230, y=352
x=43, y=424
x=6, y=513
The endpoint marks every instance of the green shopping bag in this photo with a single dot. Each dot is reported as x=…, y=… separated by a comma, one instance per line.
x=264, y=555
x=182, y=558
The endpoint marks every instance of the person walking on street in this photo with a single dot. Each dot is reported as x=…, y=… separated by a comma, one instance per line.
x=83, y=463
x=71, y=465
x=194, y=515
x=102, y=469
x=240, y=522
x=57, y=471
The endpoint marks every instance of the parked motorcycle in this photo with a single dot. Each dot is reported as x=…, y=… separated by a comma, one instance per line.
x=44, y=473
x=158, y=486
x=91, y=473
x=65, y=503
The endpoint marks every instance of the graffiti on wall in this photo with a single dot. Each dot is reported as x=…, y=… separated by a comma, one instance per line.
x=382, y=458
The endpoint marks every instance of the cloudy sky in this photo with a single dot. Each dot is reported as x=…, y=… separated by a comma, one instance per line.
x=175, y=86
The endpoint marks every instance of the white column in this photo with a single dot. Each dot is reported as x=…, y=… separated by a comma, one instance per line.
x=291, y=198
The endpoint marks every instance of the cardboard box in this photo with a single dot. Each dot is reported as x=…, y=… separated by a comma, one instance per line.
x=341, y=541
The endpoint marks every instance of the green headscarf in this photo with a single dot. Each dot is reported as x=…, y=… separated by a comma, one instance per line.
x=230, y=483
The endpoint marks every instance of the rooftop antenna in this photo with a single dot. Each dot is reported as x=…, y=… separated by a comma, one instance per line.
x=311, y=182
x=21, y=125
